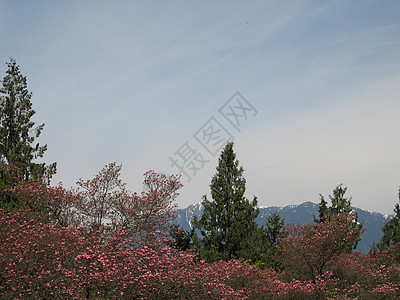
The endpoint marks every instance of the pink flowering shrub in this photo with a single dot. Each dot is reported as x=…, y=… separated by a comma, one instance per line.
x=44, y=261
x=36, y=258
x=365, y=275
x=58, y=202
x=306, y=250
x=103, y=203
x=104, y=242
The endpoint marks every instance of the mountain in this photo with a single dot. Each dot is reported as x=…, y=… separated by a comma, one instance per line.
x=302, y=213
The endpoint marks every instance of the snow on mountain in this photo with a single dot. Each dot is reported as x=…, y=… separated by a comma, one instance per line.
x=302, y=213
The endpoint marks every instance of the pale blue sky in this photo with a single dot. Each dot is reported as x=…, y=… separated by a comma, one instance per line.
x=132, y=81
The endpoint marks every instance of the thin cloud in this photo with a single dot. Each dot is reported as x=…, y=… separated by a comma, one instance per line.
x=131, y=82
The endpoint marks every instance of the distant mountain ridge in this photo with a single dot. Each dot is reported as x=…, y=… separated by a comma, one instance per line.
x=302, y=213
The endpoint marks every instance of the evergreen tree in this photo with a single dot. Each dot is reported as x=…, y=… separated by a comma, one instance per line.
x=339, y=205
x=228, y=220
x=181, y=239
x=255, y=249
x=274, y=225
x=323, y=210
x=274, y=230
x=18, y=132
x=391, y=230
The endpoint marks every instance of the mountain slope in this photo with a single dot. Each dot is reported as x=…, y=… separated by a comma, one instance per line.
x=302, y=213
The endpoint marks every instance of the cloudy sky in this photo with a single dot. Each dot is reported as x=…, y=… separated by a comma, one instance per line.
x=152, y=85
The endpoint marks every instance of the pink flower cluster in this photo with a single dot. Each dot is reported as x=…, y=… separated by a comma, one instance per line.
x=308, y=249
x=42, y=260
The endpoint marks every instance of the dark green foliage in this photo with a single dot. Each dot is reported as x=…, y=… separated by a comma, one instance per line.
x=227, y=226
x=181, y=238
x=255, y=249
x=391, y=230
x=339, y=205
x=323, y=210
x=18, y=132
x=274, y=227
x=9, y=177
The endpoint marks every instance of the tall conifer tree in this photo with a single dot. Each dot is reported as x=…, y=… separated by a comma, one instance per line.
x=18, y=131
x=228, y=220
x=391, y=230
x=323, y=210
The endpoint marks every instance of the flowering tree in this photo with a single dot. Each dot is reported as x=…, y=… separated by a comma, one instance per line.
x=86, y=259
x=153, y=209
x=98, y=196
x=104, y=203
x=57, y=202
x=305, y=250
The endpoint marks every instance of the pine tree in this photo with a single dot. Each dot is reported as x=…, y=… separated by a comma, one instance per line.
x=274, y=225
x=323, y=210
x=274, y=230
x=391, y=230
x=17, y=130
x=228, y=220
x=339, y=205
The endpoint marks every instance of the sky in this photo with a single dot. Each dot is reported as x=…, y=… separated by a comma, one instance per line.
x=307, y=90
